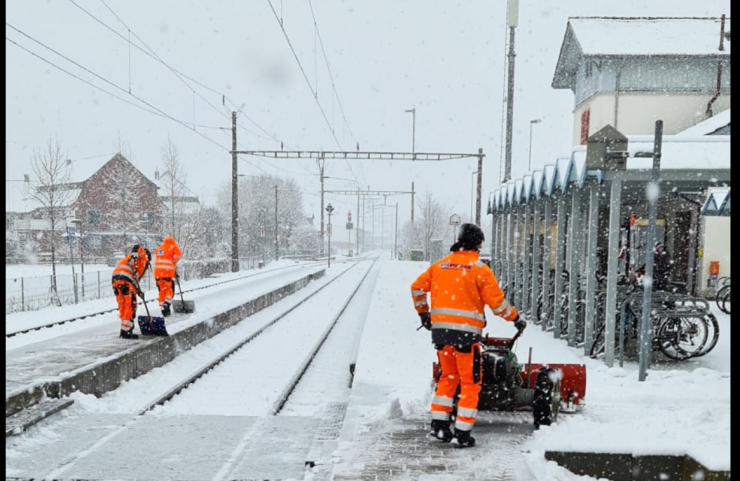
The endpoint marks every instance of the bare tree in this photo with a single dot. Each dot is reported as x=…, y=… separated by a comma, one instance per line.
x=257, y=224
x=173, y=180
x=124, y=185
x=432, y=225
x=52, y=172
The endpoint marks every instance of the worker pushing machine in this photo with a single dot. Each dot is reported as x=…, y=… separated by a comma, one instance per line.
x=461, y=285
x=166, y=257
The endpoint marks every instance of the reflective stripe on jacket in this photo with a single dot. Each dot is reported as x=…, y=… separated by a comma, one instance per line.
x=460, y=286
x=166, y=257
x=130, y=269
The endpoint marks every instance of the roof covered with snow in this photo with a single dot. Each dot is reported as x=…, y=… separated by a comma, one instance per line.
x=693, y=156
x=649, y=36
x=708, y=126
x=637, y=37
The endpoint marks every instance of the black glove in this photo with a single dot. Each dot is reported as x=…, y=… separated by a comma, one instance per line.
x=520, y=323
x=177, y=275
x=139, y=293
x=426, y=320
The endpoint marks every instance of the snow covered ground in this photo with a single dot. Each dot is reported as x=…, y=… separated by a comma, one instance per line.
x=682, y=408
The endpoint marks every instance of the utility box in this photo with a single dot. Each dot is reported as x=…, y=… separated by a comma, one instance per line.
x=606, y=150
x=417, y=254
x=436, y=250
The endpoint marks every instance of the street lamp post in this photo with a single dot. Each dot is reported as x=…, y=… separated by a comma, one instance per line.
x=329, y=210
x=413, y=129
x=531, y=124
x=472, y=196
x=396, y=237
x=78, y=223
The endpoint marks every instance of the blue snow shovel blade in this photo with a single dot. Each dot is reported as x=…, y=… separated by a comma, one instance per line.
x=152, y=326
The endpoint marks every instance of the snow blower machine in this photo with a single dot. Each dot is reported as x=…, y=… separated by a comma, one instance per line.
x=546, y=389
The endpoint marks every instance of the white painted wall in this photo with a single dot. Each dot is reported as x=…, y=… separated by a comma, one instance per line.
x=638, y=112
x=716, y=247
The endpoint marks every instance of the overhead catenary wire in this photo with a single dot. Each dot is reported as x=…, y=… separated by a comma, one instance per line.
x=333, y=86
x=154, y=110
x=223, y=96
x=308, y=82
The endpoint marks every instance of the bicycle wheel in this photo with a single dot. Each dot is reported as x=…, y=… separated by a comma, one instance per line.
x=726, y=302
x=681, y=338
x=599, y=345
x=712, y=333
x=719, y=298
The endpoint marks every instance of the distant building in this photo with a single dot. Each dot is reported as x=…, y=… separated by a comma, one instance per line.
x=116, y=206
x=630, y=72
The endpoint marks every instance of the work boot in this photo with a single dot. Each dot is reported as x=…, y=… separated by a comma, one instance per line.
x=441, y=430
x=166, y=309
x=129, y=334
x=463, y=439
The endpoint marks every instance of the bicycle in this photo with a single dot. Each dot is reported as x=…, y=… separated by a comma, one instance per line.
x=723, y=294
x=683, y=325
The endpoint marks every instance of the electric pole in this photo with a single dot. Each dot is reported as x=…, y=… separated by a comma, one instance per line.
x=512, y=20
x=412, y=202
x=234, y=199
x=320, y=161
x=480, y=187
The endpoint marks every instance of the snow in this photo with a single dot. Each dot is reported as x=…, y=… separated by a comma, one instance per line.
x=655, y=36
x=682, y=153
x=708, y=126
x=551, y=171
x=564, y=172
x=682, y=408
x=538, y=176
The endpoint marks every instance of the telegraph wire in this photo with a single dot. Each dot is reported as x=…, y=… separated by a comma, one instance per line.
x=154, y=110
x=223, y=96
x=331, y=78
x=304, y=75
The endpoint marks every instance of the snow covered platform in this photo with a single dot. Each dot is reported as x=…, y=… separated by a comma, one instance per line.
x=96, y=360
x=682, y=410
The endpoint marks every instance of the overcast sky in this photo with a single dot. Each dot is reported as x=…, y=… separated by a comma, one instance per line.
x=445, y=59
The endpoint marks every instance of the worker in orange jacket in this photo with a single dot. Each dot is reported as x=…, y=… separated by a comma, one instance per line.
x=125, y=281
x=460, y=285
x=166, y=257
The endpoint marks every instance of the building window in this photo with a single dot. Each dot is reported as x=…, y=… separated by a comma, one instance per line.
x=93, y=241
x=148, y=218
x=588, y=69
x=93, y=217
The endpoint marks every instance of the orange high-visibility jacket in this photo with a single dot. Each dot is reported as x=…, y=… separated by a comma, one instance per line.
x=131, y=269
x=166, y=257
x=461, y=285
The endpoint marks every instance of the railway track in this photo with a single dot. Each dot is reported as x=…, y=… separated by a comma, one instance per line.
x=320, y=296
x=185, y=291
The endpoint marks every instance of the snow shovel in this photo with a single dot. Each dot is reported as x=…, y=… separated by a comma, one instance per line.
x=150, y=326
x=182, y=305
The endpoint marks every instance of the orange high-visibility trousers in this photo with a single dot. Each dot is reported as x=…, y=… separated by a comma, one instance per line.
x=125, y=293
x=463, y=368
x=166, y=288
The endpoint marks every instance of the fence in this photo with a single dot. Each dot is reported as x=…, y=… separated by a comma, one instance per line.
x=35, y=292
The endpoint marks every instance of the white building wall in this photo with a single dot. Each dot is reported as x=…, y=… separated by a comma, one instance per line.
x=716, y=240
x=638, y=112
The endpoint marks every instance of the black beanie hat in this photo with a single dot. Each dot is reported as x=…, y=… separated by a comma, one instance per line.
x=469, y=238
